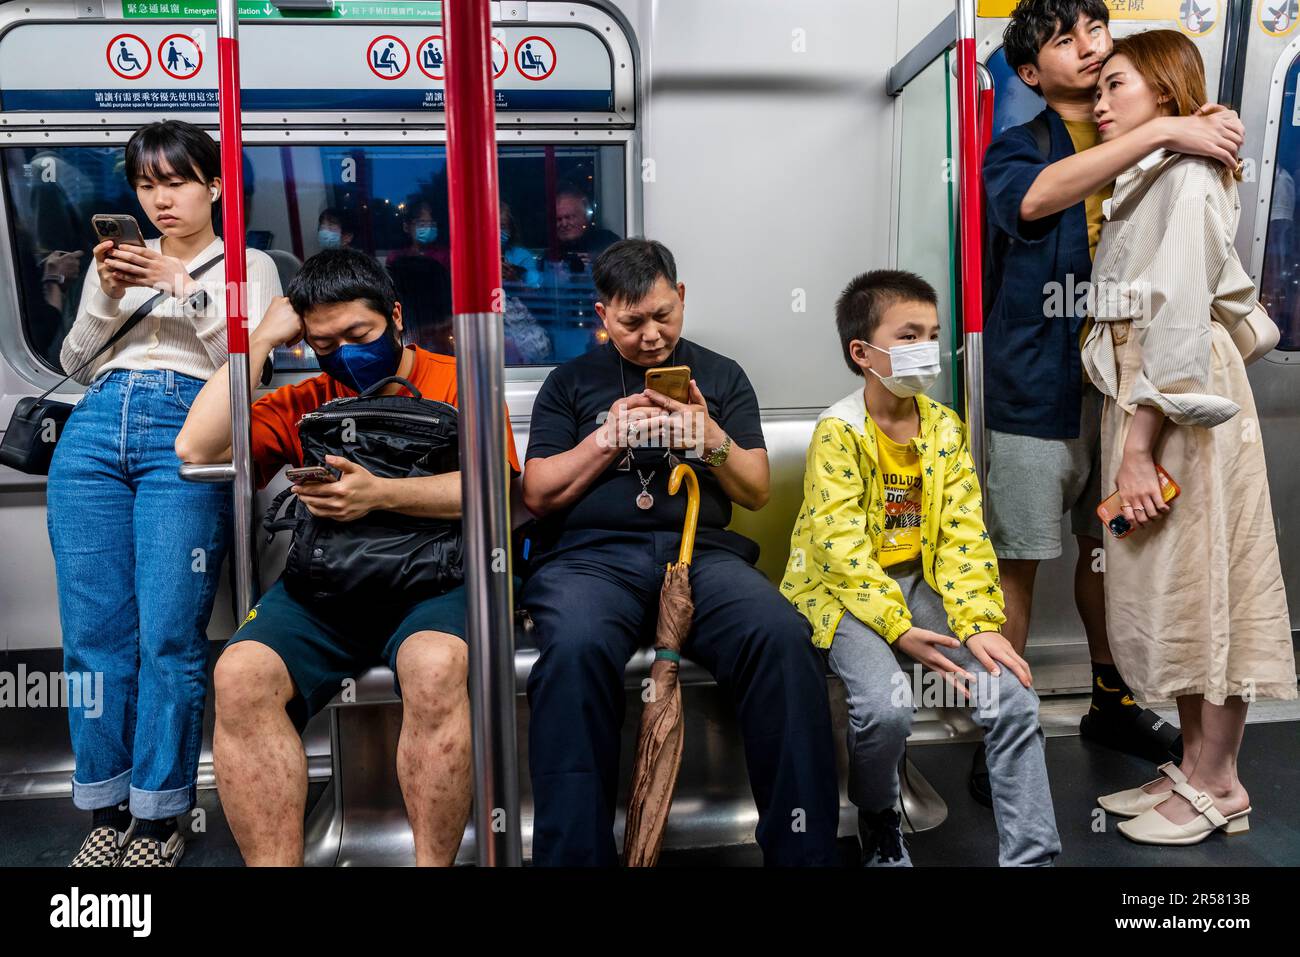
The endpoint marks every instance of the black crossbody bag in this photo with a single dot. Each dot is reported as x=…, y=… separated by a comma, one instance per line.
x=37, y=422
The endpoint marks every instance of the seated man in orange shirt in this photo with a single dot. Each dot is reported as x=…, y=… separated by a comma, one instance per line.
x=290, y=656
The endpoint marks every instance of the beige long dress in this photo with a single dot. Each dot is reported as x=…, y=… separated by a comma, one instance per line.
x=1195, y=604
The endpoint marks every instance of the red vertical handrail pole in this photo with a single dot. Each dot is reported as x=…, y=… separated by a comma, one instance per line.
x=969, y=220
x=986, y=125
x=232, y=208
x=477, y=307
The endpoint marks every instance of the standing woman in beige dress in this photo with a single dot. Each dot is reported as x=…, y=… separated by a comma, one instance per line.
x=1195, y=601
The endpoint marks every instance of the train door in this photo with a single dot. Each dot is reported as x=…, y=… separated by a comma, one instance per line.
x=1266, y=242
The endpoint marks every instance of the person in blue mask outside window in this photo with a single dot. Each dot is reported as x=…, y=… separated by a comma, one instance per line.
x=335, y=229
x=518, y=263
x=424, y=235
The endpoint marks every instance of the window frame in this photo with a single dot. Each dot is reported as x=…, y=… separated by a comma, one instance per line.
x=522, y=382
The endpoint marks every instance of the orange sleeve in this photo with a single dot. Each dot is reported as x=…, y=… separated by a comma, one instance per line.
x=511, y=454
x=275, y=426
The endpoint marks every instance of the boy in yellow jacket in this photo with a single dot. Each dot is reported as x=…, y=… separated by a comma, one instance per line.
x=891, y=531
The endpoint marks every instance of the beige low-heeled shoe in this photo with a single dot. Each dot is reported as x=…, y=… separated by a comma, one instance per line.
x=1136, y=801
x=1152, y=827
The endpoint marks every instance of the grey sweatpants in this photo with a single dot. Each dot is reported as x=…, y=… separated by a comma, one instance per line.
x=881, y=700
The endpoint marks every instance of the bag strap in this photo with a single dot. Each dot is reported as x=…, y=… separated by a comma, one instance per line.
x=374, y=389
x=136, y=317
x=271, y=521
x=1042, y=132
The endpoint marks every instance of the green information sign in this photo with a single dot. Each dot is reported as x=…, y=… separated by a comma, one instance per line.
x=341, y=10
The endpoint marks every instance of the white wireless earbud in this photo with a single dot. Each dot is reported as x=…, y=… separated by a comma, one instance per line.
x=213, y=191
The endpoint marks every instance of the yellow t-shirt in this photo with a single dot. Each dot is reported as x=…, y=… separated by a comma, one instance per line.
x=1084, y=136
x=900, y=468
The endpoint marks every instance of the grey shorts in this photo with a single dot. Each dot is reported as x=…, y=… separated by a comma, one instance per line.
x=1032, y=482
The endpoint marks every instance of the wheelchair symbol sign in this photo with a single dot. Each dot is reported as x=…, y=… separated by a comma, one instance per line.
x=128, y=56
x=179, y=56
x=535, y=58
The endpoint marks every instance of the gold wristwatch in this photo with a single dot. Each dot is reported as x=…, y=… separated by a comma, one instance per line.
x=718, y=455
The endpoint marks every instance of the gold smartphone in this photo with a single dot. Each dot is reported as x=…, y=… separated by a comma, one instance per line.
x=672, y=381
x=1111, y=511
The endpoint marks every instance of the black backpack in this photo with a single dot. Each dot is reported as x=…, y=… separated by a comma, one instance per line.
x=996, y=242
x=384, y=557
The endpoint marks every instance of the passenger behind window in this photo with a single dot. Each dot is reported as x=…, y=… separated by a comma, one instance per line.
x=579, y=240
x=518, y=264
x=137, y=551
x=335, y=229
x=424, y=237
x=48, y=283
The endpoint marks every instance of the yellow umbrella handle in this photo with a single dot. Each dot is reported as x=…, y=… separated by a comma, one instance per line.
x=684, y=471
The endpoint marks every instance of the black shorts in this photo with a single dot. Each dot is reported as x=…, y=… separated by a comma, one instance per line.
x=322, y=646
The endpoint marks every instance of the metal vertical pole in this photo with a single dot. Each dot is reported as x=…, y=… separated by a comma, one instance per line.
x=968, y=193
x=232, y=207
x=480, y=378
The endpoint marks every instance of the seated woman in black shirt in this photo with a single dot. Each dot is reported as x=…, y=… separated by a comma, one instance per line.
x=594, y=593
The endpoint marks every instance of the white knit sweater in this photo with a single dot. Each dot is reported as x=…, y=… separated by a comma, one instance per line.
x=166, y=338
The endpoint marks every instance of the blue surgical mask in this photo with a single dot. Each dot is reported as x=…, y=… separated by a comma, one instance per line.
x=329, y=238
x=360, y=365
x=426, y=234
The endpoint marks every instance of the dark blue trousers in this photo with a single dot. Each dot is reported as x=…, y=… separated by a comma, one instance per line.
x=593, y=601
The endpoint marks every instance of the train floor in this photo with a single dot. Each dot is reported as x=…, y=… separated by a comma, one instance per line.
x=47, y=831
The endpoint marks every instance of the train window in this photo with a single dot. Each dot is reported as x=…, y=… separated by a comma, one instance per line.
x=561, y=206
x=1280, y=283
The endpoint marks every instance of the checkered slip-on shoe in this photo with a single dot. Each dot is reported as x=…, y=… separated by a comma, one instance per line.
x=152, y=852
x=103, y=847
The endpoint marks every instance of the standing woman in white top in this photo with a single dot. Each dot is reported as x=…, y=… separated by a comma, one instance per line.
x=1195, y=600
x=137, y=551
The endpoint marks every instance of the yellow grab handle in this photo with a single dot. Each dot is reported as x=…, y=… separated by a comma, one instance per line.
x=684, y=471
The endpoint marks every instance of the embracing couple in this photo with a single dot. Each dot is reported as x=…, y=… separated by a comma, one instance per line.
x=1128, y=179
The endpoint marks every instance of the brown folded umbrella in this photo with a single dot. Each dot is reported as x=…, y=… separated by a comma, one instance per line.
x=659, y=747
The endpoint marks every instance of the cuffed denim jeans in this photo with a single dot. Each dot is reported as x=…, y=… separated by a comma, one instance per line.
x=138, y=555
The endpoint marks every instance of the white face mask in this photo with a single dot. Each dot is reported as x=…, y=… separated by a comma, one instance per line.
x=915, y=366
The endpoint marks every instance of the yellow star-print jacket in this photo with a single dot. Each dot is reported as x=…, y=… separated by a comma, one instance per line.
x=837, y=535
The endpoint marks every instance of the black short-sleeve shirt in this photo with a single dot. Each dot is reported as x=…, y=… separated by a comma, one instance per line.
x=569, y=407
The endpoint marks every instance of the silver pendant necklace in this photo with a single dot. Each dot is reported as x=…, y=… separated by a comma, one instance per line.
x=645, y=501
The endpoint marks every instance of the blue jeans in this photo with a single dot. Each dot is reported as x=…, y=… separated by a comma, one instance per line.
x=138, y=556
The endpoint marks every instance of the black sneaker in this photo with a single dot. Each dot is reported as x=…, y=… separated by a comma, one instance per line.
x=103, y=846
x=143, y=851
x=1136, y=731
x=881, y=834
x=980, y=789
